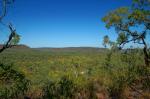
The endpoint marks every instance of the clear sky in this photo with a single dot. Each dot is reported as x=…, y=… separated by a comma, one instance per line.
x=62, y=23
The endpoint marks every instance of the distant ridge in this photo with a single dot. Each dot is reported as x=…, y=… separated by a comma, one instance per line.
x=64, y=49
x=21, y=46
x=71, y=49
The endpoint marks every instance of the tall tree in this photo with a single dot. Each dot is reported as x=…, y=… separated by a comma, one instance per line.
x=13, y=38
x=132, y=24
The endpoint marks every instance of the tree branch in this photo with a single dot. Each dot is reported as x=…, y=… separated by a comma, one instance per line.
x=3, y=9
x=8, y=43
x=12, y=30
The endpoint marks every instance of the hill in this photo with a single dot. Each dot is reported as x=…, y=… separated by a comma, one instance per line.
x=21, y=46
x=72, y=49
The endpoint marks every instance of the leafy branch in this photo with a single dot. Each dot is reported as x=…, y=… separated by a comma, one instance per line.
x=13, y=38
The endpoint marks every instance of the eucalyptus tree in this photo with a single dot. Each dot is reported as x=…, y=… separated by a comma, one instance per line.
x=132, y=24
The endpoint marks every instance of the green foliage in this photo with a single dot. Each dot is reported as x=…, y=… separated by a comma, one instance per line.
x=106, y=40
x=12, y=82
x=141, y=3
x=122, y=37
x=128, y=21
x=77, y=74
x=64, y=89
x=115, y=17
x=15, y=40
x=126, y=73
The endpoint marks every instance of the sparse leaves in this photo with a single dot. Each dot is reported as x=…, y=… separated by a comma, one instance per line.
x=122, y=38
x=15, y=40
x=115, y=17
x=106, y=40
x=125, y=20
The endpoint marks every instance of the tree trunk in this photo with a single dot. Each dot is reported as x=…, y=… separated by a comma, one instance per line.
x=146, y=56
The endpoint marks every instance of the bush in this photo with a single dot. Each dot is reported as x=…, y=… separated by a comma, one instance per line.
x=13, y=83
x=129, y=74
x=64, y=89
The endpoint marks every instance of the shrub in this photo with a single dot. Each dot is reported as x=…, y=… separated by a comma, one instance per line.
x=64, y=89
x=13, y=83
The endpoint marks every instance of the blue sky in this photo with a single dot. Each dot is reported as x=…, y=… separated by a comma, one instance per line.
x=62, y=23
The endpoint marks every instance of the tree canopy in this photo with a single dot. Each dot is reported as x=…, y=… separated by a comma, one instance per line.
x=132, y=24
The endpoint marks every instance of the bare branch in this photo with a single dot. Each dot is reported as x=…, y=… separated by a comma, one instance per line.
x=10, y=27
x=8, y=45
x=3, y=10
